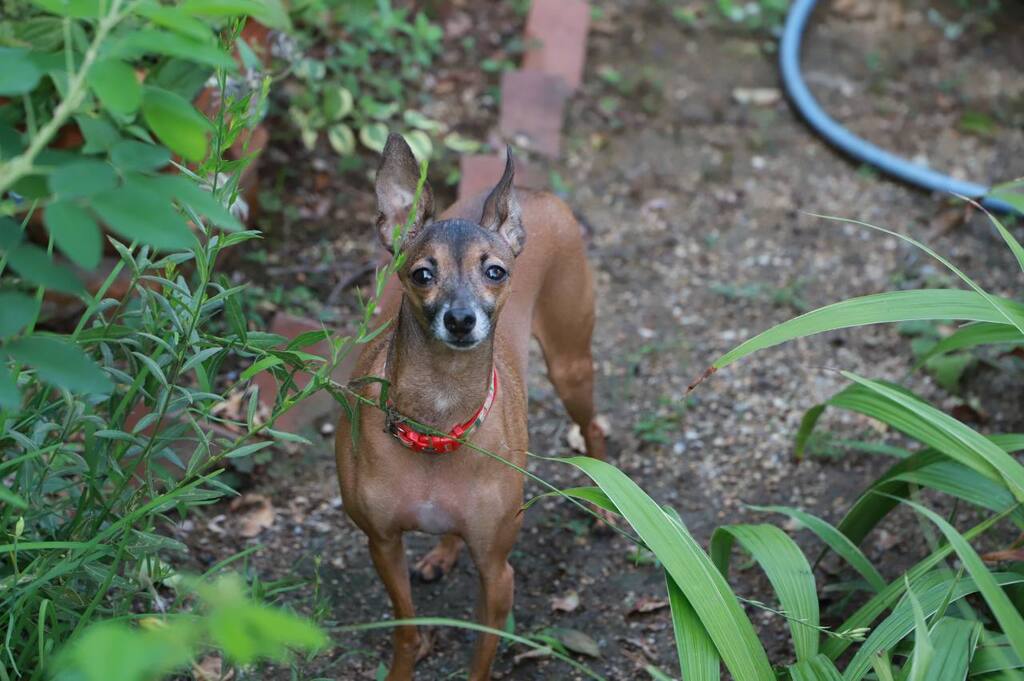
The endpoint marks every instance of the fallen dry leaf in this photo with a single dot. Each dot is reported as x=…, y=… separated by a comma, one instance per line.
x=210, y=668
x=646, y=604
x=1004, y=555
x=233, y=409
x=576, y=641
x=253, y=514
x=531, y=654
x=642, y=646
x=567, y=603
x=854, y=9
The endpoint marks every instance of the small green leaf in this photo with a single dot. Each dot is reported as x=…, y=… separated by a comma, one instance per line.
x=460, y=144
x=260, y=365
x=11, y=141
x=374, y=136
x=575, y=640
x=418, y=120
x=130, y=155
x=248, y=632
x=174, y=18
x=19, y=310
x=114, y=82
x=337, y=103
x=60, y=362
x=176, y=122
x=19, y=74
x=82, y=178
x=341, y=138
x=33, y=264
x=76, y=9
x=420, y=144
x=75, y=232
x=186, y=191
x=269, y=12
x=10, y=233
x=152, y=41
x=99, y=135
x=137, y=212
x=246, y=450
x=948, y=369
x=6, y=495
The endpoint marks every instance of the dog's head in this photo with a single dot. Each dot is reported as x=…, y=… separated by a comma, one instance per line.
x=456, y=273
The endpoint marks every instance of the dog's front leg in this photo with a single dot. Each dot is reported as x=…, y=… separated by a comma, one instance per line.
x=388, y=554
x=497, y=584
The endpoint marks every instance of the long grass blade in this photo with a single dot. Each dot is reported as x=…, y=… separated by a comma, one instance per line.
x=955, y=479
x=1008, y=310
x=951, y=437
x=787, y=570
x=698, y=658
x=879, y=499
x=955, y=641
x=971, y=336
x=881, y=308
x=869, y=612
x=690, y=568
x=924, y=650
x=994, y=655
x=461, y=624
x=999, y=603
x=932, y=589
x=835, y=540
x=817, y=668
x=1010, y=194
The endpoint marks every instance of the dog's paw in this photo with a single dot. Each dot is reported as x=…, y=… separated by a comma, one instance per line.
x=435, y=565
x=428, y=636
x=576, y=440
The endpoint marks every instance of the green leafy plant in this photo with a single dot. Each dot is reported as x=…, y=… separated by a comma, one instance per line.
x=757, y=15
x=112, y=432
x=353, y=69
x=228, y=621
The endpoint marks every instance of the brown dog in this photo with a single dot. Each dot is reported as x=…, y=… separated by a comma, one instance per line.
x=476, y=282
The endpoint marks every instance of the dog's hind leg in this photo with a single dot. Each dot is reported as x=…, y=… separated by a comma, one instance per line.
x=410, y=645
x=563, y=324
x=439, y=561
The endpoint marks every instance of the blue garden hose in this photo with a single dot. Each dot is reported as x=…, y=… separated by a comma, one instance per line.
x=843, y=139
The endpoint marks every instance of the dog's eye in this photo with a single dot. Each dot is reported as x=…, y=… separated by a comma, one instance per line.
x=422, y=276
x=495, y=273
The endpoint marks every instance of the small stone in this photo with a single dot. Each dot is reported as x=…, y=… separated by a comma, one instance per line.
x=756, y=96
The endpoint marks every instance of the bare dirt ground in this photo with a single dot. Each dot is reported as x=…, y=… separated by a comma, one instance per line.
x=700, y=237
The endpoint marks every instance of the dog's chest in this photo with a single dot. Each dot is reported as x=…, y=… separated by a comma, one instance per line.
x=431, y=517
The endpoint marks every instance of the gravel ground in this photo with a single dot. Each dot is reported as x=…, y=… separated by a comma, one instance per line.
x=699, y=208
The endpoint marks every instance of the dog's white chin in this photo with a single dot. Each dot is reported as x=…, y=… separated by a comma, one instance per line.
x=463, y=346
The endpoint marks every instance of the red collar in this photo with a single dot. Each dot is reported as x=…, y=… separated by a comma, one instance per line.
x=419, y=441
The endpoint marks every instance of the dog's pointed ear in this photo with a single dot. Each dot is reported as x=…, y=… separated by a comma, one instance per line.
x=397, y=177
x=501, y=212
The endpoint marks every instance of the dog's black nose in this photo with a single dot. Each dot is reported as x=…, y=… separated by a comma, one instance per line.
x=459, y=320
